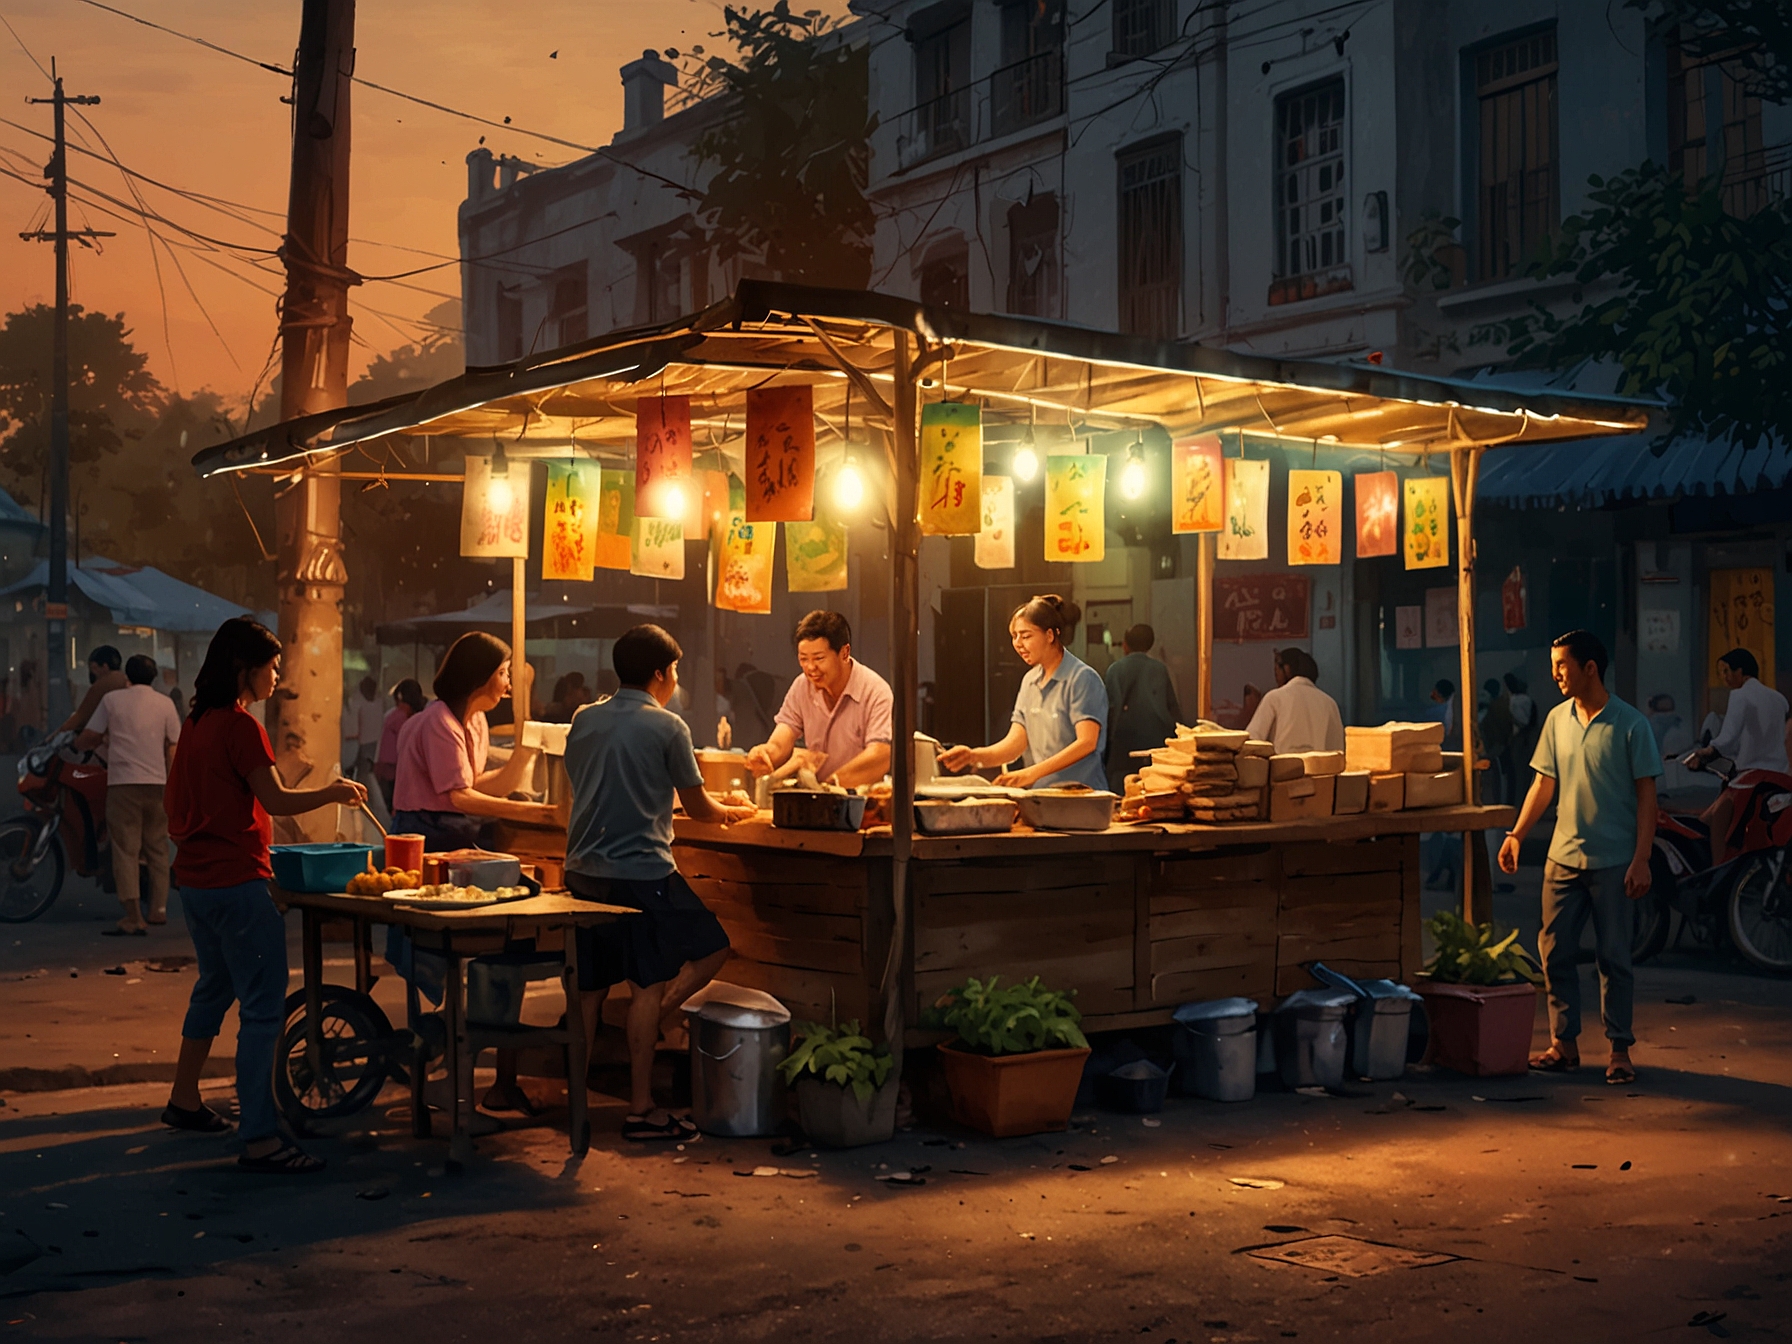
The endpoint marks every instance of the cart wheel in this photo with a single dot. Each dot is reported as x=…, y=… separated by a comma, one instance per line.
x=26, y=891
x=354, y=1065
x=1761, y=912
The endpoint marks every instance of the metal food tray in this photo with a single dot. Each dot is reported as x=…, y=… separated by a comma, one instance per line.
x=984, y=817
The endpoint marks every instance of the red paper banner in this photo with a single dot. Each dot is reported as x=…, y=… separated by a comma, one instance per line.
x=662, y=456
x=780, y=455
x=1198, y=485
x=1377, y=513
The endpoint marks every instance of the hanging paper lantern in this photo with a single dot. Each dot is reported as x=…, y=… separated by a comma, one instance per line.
x=494, y=523
x=994, y=548
x=743, y=558
x=1197, y=485
x=569, y=521
x=1075, y=512
x=656, y=548
x=615, y=520
x=951, y=469
x=1427, y=530
x=780, y=457
x=1246, y=534
x=1315, y=517
x=815, y=557
x=662, y=456
x=1377, y=513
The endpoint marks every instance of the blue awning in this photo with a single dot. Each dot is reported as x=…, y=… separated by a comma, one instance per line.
x=139, y=595
x=1590, y=473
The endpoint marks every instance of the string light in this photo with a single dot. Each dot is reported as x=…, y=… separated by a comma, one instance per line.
x=1132, y=476
x=849, y=487
x=498, y=494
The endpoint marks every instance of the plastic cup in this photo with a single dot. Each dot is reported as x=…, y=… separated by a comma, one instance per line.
x=404, y=851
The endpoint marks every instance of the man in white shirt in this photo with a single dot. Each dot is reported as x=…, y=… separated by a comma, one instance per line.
x=1753, y=736
x=140, y=727
x=1297, y=715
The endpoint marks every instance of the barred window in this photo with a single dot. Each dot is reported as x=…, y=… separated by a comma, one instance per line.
x=1310, y=180
x=1143, y=26
x=1151, y=239
x=1714, y=129
x=1519, y=190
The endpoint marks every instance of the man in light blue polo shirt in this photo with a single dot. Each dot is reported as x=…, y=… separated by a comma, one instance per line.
x=1597, y=759
x=626, y=759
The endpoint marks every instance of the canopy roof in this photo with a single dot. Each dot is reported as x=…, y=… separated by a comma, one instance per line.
x=1022, y=369
x=1588, y=475
x=542, y=615
x=139, y=595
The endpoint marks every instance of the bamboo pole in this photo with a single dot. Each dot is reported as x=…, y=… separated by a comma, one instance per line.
x=1206, y=552
x=905, y=605
x=1465, y=472
x=519, y=703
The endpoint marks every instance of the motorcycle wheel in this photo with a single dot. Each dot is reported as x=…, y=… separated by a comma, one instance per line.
x=26, y=889
x=1761, y=912
x=354, y=1066
x=1654, y=917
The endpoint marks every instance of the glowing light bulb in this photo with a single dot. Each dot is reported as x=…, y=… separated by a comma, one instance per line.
x=498, y=495
x=671, y=500
x=1026, y=462
x=1132, y=478
x=849, y=487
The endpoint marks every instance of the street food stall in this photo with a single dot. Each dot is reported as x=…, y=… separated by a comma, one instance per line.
x=1192, y=898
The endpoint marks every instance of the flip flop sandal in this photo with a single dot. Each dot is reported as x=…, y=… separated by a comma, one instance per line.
x=1620, y=1075
x=286, y=1160
x=639, y=1129
x=1553, y=1061
x=202, y=1121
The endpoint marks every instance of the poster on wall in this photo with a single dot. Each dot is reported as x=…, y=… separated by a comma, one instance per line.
x=569, y=521
x=1315, y=517
x=1741, y=618
x=1377, y=513
x=995, y=539
x=615, y=520
x=1197, y=485
x=815, y=557
x=1246, y=533
x=1660, y=631
x=1409, y=627
x=743, y=558
x=1261, y=606
x=951, y=469
x=780, y=455
x=1515, y=600
x=662, y=457
x=1441, y=628
x=1075, y=507
x=656, y=548
x=1427, y=528
x=494, y=519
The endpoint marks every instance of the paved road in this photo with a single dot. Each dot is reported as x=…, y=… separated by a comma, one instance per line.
x=1452, y=1207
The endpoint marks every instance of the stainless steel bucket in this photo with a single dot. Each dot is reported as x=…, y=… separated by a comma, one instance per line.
x=736, y=1090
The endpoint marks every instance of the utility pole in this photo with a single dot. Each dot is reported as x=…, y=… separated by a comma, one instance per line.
x=56, y=655
x=314, y=341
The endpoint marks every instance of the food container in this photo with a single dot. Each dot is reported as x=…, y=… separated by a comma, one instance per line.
x=1216, y=1049
x=1395, y=747
x=1442, y=789
x=1350, y=793
x=973, y=816
x=724, y=770
x=318, y=867
x=480, y=868
x=1311, y=1041
x=739, y=1037
x=404, y=851
x=1301, y=799
x=1387, y=792
x=1068, y=809
x=926, y=758
x=817, y=810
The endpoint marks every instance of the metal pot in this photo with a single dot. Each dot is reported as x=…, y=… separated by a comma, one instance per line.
x=817, y=810
x=736, y=1090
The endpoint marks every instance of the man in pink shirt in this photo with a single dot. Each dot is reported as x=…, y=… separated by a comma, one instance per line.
x=839, y=708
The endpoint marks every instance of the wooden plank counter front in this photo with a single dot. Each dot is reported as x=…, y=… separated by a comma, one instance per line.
x=1136, y=919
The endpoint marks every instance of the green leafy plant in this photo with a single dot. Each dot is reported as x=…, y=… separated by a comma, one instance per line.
x=1477, y=954
x=842, y=1055
x=992, y=1019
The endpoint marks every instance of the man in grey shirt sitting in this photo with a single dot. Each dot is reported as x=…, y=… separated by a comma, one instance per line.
x=627, y=758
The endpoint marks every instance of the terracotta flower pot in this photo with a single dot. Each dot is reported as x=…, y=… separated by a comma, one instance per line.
x=834, y=1115
x=1482, y=1030
x=1007, y=1095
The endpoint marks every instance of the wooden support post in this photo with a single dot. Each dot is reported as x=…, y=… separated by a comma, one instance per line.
x=905, y=604
x=1207, y=552
x=1465, y=472
x=519, y=615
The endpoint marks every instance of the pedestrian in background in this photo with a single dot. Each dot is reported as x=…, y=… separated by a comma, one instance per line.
x=1596, y=759
x=1142, y=708
x=1523, y=710
x=221, y=791
x=1297, y=715
x=139, y=727
x=1496, y=739
x=407, y=699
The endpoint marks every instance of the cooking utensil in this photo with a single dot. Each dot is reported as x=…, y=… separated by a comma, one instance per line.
x=375, y=820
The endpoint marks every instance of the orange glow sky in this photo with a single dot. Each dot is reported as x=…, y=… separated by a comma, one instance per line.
x=206, y=123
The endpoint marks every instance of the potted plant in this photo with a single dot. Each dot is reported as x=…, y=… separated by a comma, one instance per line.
x=1017, y=1057
x=1480, y=993
x=845, y=1086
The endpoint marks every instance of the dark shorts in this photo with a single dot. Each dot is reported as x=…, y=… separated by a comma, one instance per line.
x=674, y=927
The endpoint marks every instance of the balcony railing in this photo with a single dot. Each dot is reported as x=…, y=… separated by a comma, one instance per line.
x=1026, y=92
x=941, y=125
x=1757, y=179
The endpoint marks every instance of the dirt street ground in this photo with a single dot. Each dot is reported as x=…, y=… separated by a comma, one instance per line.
x=1434, y=1207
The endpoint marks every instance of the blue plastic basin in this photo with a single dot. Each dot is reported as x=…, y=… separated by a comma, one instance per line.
x=318, y=867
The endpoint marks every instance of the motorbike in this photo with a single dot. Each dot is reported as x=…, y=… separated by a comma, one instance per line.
x=65, y=819
x=1745, y=901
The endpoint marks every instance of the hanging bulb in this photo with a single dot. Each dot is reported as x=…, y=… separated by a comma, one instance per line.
x=1132, y=476
x=498, y=494
x=671, y=500
x=1026, y=461
x=849, y=487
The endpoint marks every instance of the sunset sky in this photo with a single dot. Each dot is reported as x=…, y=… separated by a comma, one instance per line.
x=209, y=124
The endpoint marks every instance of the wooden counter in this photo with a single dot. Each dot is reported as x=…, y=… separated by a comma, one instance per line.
x=1136, y=919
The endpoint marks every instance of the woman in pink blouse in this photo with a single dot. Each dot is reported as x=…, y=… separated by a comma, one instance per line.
x=407, y=699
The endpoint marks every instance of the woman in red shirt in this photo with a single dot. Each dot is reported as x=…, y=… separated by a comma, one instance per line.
x=221, y=791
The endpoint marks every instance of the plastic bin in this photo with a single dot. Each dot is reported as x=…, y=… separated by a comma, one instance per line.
x=1216, y=1049
x=1380, y=1030
x=1311, y=1042
x=318, y=867
x=739, y=1036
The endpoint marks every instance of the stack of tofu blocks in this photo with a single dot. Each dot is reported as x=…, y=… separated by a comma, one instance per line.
x=1405, y=765
x=1205, y=773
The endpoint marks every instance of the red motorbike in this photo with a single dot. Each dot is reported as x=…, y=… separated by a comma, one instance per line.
x=1747, y=899
x=65, y=797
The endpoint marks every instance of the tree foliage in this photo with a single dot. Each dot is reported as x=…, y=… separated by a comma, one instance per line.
x=1752, y=37
x=790, y=157
x=112, y=394
x=1693, y=303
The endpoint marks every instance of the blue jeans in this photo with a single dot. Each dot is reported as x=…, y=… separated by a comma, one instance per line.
x=1571, y=896
x=240, y=940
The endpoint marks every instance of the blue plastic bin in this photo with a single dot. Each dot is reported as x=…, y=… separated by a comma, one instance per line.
x=321, y=867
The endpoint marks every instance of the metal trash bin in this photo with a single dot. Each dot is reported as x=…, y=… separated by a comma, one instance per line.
x=1380, y=1030
x=1311, y=1043
x=1216, y=1049
x=739, y=1036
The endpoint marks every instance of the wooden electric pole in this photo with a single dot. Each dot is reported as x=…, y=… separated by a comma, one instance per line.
x=56, y=654
x=314, y=341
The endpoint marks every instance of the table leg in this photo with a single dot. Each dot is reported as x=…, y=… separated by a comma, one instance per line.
x=578, y=1122
x=460, y=1064
x=363, y=956
x=311, y=924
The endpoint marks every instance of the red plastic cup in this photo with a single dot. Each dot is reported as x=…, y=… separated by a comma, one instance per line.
x=404, y=851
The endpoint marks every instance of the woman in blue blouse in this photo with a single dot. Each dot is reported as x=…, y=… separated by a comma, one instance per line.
x=1060, y=721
